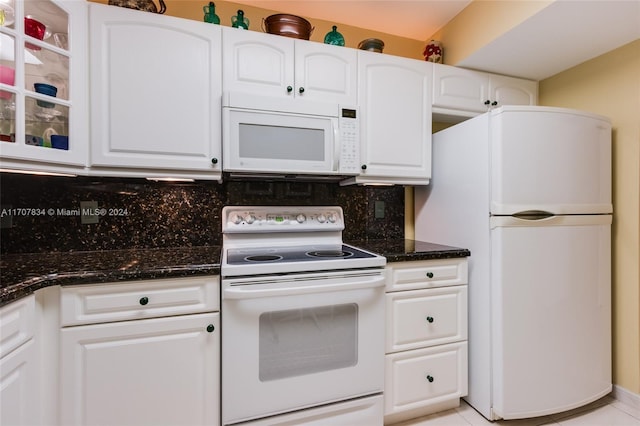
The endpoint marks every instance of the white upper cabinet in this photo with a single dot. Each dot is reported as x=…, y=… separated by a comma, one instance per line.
x=155, y=95
x=326, y=73
x=464, y=92
x=459, y=89
x=505, y=90
x=271, y=65
x=394, y=95
x=44, y=42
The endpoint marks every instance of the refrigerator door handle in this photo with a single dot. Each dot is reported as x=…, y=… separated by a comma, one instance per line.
x=553, y=220
x=533, y=215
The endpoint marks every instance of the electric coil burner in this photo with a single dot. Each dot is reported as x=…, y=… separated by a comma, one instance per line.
x=294, y=254
x=301, y=311
x=330, y=253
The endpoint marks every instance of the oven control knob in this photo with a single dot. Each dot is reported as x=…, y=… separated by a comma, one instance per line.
x=250, y=219
x=236, y=219
x=322, y=218
x=301, y=218
x=332, y=217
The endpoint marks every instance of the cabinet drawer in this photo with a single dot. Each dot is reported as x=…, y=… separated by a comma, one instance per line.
x=427, y=274
x=422, y=318
x=422, y=377
x=16, y=324
x=96, y=303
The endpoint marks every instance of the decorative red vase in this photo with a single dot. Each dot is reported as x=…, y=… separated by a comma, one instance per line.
x=433, y=52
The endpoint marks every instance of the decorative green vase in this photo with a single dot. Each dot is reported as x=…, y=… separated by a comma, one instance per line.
x=239, y=21
x=334, y=37
x=210, y=14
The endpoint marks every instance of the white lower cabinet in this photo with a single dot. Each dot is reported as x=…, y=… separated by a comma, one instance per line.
x=425, y=380
x=18, y=385
x=426, y=338
x=19, y=388
x=151, y=371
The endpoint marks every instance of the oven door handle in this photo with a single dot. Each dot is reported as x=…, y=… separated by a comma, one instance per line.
x=243, y=292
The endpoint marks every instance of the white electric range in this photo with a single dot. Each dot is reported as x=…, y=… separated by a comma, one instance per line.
x=302, y=319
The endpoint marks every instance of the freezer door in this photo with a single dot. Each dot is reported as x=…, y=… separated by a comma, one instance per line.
x=551, y=159
x=551, y=313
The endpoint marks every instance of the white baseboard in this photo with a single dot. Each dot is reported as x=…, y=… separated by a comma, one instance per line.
x=626, y=396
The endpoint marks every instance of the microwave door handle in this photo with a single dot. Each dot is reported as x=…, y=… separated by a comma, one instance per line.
x=241, y=292
x=337, y=147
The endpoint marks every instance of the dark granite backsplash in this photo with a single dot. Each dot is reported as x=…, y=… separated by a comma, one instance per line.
x=41, y=213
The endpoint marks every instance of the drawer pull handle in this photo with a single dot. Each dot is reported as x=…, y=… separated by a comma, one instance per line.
x=430, y=378
x=210, y=328
x=429, y=274
x=144, y=300
x=429, y=319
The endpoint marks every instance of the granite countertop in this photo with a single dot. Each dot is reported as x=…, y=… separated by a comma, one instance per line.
x=22, y=274
x=401, y=250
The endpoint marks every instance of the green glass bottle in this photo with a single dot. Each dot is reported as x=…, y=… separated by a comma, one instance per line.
x=334, y=37
x=239, y=20
x=210, y=14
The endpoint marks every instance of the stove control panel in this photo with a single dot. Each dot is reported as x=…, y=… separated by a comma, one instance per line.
x=281, y=219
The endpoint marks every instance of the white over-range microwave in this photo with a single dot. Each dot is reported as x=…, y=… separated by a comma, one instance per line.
x=288, y=137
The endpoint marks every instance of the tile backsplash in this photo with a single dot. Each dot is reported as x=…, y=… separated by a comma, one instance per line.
x=43, y=214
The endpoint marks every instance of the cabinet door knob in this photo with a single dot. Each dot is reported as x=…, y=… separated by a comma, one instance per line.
x=429, y=274
x=430, y=378
x=210, y=328
x=301, y=90
x=214, y=161
x=363, y=167
x=144, y=300
x=487, y=102
x=429, y=319
x=494, y=103
x=289, y=89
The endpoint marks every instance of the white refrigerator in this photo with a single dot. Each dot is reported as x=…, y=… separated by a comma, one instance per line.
x=528, y=191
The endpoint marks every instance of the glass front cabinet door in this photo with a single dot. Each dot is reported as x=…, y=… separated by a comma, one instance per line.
x=43, y=86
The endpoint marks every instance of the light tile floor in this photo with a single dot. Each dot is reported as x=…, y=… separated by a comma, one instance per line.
x=606, y=411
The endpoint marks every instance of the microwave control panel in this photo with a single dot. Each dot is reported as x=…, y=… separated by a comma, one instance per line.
x=349, y=125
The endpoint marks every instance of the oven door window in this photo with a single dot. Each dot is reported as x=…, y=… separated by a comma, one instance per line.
x=305, y=341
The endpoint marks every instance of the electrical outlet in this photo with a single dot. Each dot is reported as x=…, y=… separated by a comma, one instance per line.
x=379, y=209
x=88, y=212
